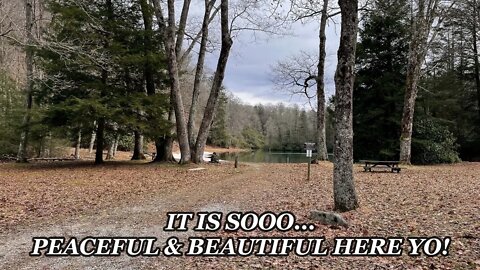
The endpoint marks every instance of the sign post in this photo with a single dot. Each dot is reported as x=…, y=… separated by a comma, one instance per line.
x=309, y=147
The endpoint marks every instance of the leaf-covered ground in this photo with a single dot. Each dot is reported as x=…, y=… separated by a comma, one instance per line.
x=131, y=199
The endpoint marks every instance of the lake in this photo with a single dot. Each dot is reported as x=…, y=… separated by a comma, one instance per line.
x=267, y=157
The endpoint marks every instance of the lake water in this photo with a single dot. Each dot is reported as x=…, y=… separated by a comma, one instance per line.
x=266, y=157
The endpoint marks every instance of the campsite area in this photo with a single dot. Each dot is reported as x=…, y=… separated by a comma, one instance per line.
x=132, y=199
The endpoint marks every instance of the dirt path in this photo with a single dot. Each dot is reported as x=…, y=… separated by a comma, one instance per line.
x=141, y=218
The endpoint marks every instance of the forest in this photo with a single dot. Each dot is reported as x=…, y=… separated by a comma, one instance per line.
x=116, y=74
x=115, y=116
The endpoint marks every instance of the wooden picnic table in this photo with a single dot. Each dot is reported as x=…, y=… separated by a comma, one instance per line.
x=370, y=164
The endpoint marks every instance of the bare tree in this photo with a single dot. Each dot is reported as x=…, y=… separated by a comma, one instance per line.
x=169, y=31
x=207, y=120
x=93, y=138
x=199, y=70
x=343, y=181
x=320, y=79
x=185, y=131
x=474, y=30
x=78, y=144
x=29, y=24
x=422, y=21
x=138, y=147
x=173, y=68
x=306, y=75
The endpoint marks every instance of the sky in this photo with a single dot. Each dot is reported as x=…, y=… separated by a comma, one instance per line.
x=249, y=69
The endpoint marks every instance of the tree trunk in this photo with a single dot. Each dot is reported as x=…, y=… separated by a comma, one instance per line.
x=24, y=139
x=199, y=72
x=475, y=53
x=321, y=137
x=148, y=68
x=92, y=138
x=417, y=51
x=163, y=145
x=104, y=77
x=411, y=91
x=100, y=141
x=227, y=43
x=115, y=145
x=78, y=144
x=138, y=147
x=181, y=28
x=111, y=146
x=343, y=181
x=181, y=123
x=164, y=149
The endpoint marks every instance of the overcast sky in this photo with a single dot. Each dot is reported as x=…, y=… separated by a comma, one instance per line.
x=250, y=65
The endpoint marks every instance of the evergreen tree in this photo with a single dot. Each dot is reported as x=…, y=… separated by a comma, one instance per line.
x=219, y=134
x=94, y=70
x=378, y=94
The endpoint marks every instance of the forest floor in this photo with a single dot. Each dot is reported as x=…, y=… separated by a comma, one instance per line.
x=76, y=199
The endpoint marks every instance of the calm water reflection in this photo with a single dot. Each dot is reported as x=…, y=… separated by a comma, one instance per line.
x=267, y=157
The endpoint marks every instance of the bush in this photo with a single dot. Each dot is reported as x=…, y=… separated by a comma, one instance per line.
x=433, y=143
x=254, y=139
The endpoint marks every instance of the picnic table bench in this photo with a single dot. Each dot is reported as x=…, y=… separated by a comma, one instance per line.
x=370, y=164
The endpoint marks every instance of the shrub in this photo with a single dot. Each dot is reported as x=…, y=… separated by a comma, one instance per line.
x=433, y=143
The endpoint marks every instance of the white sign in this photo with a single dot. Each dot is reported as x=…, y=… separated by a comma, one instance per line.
x=309, y=153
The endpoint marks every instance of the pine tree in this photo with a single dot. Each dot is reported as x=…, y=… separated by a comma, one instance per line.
x=95, y=67
x=219, y=134
x=378, y=94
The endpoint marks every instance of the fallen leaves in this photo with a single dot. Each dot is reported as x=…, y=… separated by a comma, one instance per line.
x=420, y=201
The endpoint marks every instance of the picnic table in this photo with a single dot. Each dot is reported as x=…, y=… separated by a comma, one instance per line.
x=370, y=164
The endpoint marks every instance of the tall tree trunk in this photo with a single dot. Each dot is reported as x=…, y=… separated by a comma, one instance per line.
x=421, y=25
x=199, y=72
x=93, y=138
x=100, y=141
x=475, y=52
x=343, y=183
x=181, y=28
x=164, y=145
x=321, y=137
x=111, y=145
x=115, y=145
x=78, y=145
x=164, y=149
x=104, y=77
x=148, y=67
x=227, y=43
x=411, y=91
x=24, y=139
x=181, y=123
x=138, y=147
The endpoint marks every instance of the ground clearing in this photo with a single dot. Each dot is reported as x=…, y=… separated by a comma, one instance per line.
x=131, y=199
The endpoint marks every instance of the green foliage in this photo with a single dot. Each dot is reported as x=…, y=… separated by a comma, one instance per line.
x=448, y=90
x=253, y=138
x=11, y=115
x=450, y=95
x=380, y=82
x=433, y=143
x=96, y=69
x=219, y=135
